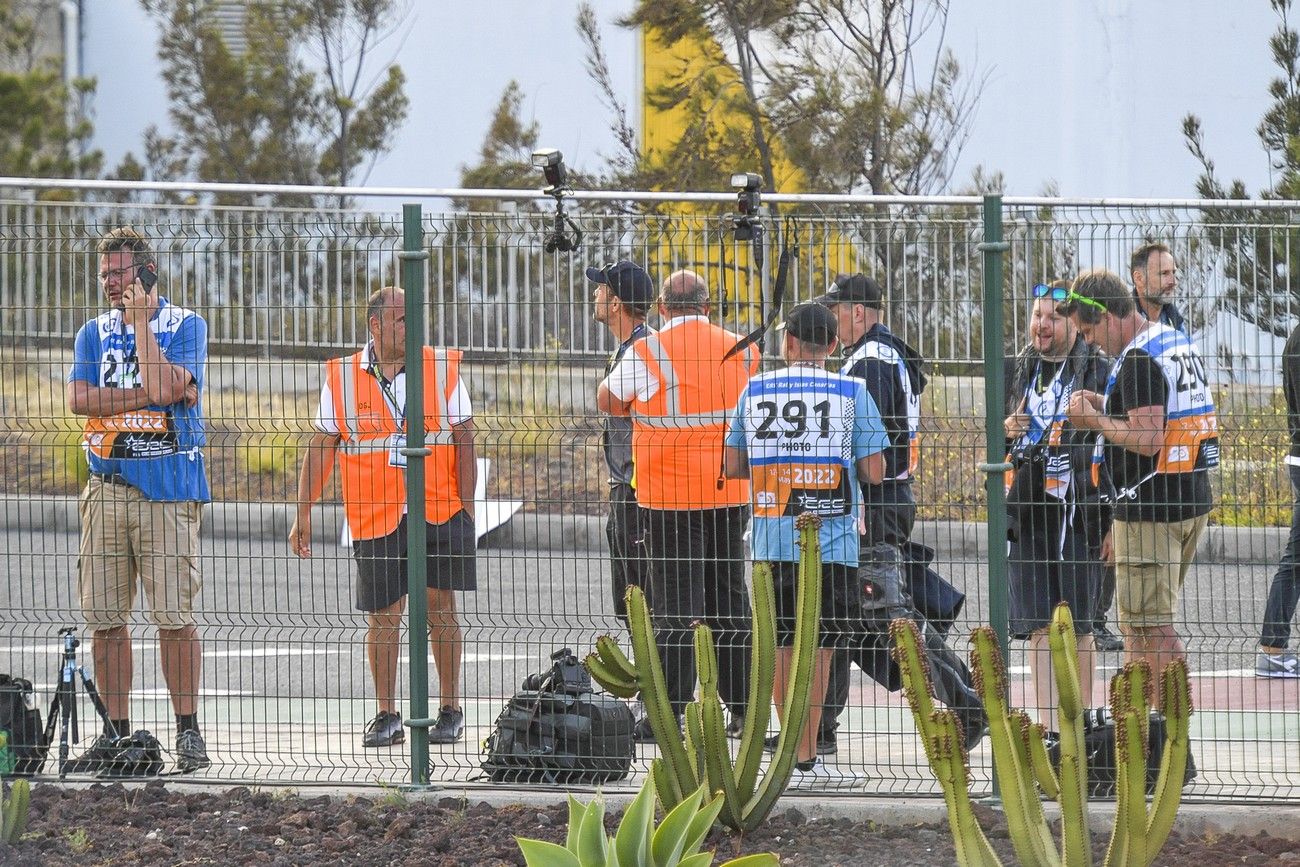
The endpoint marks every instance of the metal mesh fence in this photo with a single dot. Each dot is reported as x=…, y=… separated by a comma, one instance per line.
x=287, y=688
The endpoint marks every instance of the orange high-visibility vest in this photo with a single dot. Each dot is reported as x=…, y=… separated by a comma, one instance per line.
x=677, y=434
x=374, y=484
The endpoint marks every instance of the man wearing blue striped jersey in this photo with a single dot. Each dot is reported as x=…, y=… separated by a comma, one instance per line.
x=806, y=438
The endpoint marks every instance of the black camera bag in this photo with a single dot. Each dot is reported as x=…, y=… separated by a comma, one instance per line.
x=136, y=755
x=556, y=730
x=21, y=721
x=560, y=738
x=1099, y=749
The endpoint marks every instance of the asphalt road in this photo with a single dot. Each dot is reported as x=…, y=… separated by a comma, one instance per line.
x=285, y=677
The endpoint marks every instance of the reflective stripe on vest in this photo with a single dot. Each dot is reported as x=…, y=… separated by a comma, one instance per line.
x=882, y=351
x=372, y=471
x=677, y=433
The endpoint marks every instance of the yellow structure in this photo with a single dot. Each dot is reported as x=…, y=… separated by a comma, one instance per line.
x=726, y=264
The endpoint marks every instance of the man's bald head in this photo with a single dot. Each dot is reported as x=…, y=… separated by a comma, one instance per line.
x=684, y=292
x=389, y=296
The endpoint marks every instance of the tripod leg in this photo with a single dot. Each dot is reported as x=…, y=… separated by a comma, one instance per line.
x=100, y=708
x=67, y=720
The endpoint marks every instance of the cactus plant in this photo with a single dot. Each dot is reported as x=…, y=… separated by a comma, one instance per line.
x=703, y=756
x=675, y=843
x=13, y=814
x=1021, y=761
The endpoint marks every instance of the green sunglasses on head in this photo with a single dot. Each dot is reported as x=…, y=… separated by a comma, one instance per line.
x=1061, y=295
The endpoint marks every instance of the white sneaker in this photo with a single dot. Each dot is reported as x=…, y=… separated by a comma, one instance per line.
x=1277, y=665
x=822, y=776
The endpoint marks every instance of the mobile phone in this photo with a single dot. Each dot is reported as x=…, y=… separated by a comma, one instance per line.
x=148, y=279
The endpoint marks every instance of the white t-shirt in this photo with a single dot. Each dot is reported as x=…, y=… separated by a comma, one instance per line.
x=630, y=378
x=459, y=409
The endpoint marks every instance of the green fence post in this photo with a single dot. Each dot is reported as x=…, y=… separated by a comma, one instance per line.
x=995, y=446
x=994, y=463
x=412, y=257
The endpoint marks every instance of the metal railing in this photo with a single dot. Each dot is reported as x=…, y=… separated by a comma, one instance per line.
x=286, y=690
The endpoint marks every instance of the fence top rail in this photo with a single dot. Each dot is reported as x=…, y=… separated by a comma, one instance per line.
x=625, y=195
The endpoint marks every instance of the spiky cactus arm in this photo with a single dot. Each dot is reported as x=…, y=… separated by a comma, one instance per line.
x=1176, y=705
x=762, y=673
x=717, y=757
x=1076, y=847
x=14, y=812
x=1128, y=840
x=654, y=695
x=944, y=742
x=918, y=687
x=799, y=687
x=1039, y=760
x=1028, y=828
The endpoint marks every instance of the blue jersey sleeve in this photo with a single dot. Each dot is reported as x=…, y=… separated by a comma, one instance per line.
x=189, y=347
x=869, y=435
x=85, y=355
x=736, y=430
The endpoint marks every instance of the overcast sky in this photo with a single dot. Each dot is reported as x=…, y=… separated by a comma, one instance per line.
x=1088, y=93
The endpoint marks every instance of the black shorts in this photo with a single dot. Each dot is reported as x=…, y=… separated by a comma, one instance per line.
x=841, y=619
x=381, y=563
x=1038, y=583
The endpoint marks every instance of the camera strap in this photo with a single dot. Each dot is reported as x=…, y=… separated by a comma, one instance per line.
x=789, y=250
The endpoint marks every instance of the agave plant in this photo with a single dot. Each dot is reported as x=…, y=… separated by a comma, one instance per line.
x=703, y=758
x=637, y=842
x=1022, y=765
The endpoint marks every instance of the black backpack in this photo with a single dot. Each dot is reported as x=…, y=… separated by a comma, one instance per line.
x=1099, y=748
x=560, y=732
x=20, y=719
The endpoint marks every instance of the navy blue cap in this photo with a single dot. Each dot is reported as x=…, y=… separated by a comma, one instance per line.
x=812, y=323
x=853, y=289
x=628, y=281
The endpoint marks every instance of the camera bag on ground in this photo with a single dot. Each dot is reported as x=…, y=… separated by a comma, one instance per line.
x=1099, y=749
x=560, y=732
x=21, y=721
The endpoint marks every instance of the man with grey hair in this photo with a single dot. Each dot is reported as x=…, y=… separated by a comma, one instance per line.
x=680, y=392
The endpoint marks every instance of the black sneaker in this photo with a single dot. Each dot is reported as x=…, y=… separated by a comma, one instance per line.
x=102, y=752
x=827, y=745
x=191, y=752
x=385, y=730
x=736, y=727
x=449, y=727
x=1106, y=641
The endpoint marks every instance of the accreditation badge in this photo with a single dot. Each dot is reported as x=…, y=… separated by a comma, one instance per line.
x=397, y=443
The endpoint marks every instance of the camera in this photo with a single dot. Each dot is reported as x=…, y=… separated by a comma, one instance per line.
x=749, y=199
x=566, y=675
x=551, y=162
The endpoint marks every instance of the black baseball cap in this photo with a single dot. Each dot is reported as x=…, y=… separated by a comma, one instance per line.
x=628, y=281
x=812, y=323
x=853, y=289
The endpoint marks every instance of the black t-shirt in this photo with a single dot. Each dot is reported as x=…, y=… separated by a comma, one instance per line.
x=1164, y=497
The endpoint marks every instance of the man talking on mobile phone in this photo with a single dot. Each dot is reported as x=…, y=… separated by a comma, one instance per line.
x=136, y=377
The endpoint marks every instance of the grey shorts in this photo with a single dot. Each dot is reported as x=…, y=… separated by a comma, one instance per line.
x=381, y=563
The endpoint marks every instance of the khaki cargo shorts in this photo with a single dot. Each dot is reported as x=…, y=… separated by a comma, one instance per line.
x=1151, y=563
x=128, y=541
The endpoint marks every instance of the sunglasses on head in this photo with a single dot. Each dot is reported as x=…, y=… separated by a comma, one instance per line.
x=1061, y=295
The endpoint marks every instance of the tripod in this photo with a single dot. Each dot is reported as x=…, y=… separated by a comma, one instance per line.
x=63, y=708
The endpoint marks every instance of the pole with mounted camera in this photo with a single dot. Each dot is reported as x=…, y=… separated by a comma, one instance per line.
x=559, y=239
